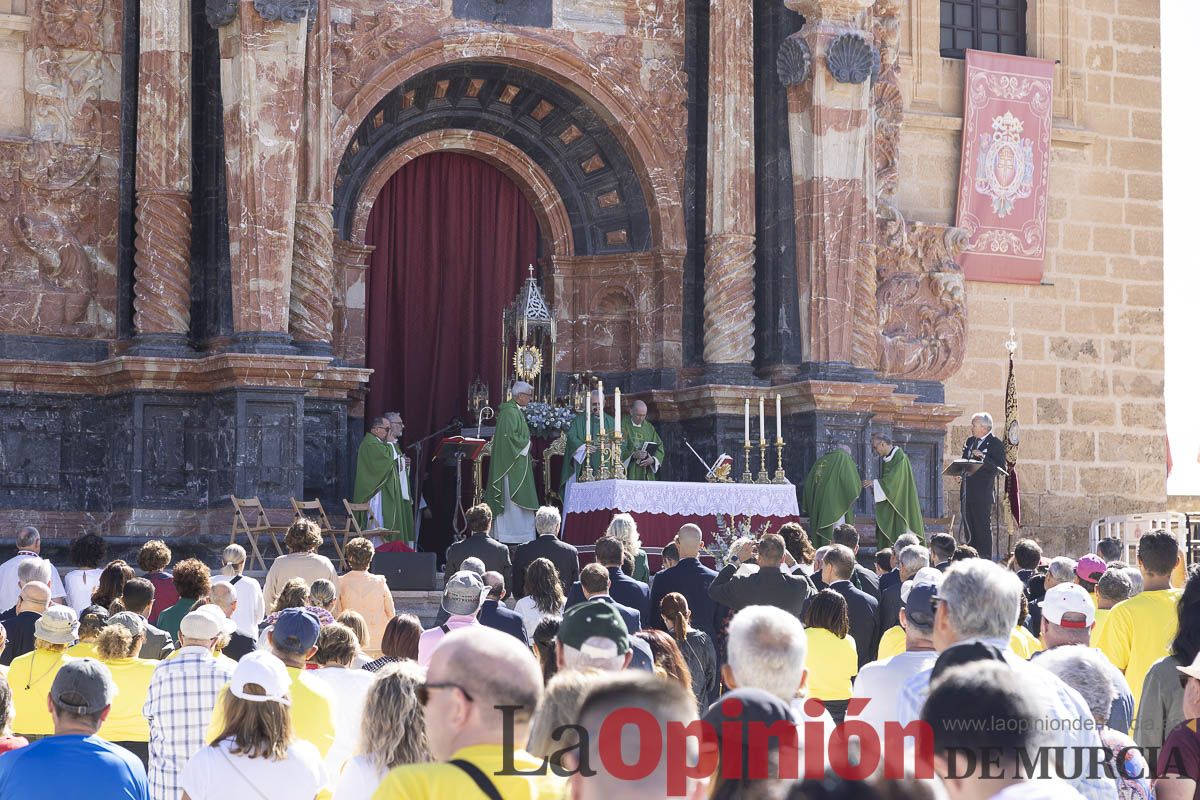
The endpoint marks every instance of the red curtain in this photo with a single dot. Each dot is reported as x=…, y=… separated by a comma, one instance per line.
x=453, y=237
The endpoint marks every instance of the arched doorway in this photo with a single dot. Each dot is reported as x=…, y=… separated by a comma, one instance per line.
x=453, y=236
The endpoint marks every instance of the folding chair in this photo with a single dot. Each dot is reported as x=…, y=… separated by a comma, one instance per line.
x=312, y=509
x=245, y=510
x=374, y=526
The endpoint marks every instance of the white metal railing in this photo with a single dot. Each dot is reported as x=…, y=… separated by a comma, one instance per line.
x=1130, y=527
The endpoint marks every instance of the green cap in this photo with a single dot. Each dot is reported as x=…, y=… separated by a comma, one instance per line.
x=594, y=628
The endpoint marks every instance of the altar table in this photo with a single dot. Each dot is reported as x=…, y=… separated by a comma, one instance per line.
x=661, y=507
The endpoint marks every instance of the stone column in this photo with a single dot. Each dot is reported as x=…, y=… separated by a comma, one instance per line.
x=729, y=242
x=828, y=67
x=262, y=85
x=311, y=313
x=163, y=227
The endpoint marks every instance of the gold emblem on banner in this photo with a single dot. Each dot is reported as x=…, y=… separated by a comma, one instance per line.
x=527, y=362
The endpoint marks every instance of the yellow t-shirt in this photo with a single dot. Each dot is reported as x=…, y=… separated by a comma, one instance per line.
x=1023, y=643
x=440, y=781
x=892, y=643
x=1138, y=632
x=83, y=650
x=30, y=677
x=312, y=712
x=1101, y=616
x=125, y=722
x=832, y=664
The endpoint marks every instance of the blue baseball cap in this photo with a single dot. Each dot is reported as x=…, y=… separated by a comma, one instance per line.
x=295, y=631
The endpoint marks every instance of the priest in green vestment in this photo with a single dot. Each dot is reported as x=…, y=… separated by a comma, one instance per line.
x=407, y=528
x=377, y=481
x=511, y=492
x=576, y=450
x=830, y=491
x=897, y=509
x=637, y=433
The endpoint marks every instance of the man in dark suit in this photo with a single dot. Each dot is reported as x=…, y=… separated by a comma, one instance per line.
x=769, y=586
x=864, y=580
x=863, y=609
x=495, y=614
x=909, y=560
x=595, y=583
x=691, y=579
x=480, y=544
x=624, y=589
x=564, y=557
x=893, y=575
x=978, y=489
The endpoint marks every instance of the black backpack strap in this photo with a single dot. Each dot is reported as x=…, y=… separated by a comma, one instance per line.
x=482, y=781
x=445, y=629
x=235, y=579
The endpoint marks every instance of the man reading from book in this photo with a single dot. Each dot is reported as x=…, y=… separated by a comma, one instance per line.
x=642, y=447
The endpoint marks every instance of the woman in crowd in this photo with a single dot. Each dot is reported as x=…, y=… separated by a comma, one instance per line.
x=111, y=584
x=400, y=639
x=366, y=593
x=392, y=731
x=336, y=647
x=799, y=546
x=192, y=580
x=355, y=622
x=302, y=540
x=251, y=607
x=295, y=594
x=8, y=741
x=668, y=661
x=544, y=595
x=1160, y=707
x=256, y=754
x=323, y=594
x=87, y=553
x=698, y=650
x=117, y=646
x=623, y=528
x=91, y=621
x=544, y=637
x=832, y=656
x=152, y=560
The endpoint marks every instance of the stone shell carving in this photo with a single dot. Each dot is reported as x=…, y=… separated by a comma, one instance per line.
x=220, y=13
x=852, y=59
x=282, y=10
x=794, y=62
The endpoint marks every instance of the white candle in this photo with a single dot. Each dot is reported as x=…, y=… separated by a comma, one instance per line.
x=600, y=413
x=762, y=420
x=778, y=418
x=587, y=418
x=617, y=410
x=747, y=421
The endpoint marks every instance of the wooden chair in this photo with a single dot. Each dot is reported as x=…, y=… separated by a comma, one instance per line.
x=250, y=518
x=312, y=509
x=374, y=525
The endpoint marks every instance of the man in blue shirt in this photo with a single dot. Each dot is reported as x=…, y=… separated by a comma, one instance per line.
x=79, y=701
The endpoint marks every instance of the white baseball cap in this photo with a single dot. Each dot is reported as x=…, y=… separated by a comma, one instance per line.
x=1068, y=598
x=206, y=622
x=264, y=669
x=927, y=576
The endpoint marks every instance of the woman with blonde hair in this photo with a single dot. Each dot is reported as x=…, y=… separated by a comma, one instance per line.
x=366, y=593
x=355, y=622
x=393, y=731
x=256, y=754
x=323, y=594
x=559, y=707
x=251, y=606
x=623, y=528
x=295, y=594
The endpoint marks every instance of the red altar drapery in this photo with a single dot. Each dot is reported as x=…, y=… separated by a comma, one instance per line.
x=453, y=237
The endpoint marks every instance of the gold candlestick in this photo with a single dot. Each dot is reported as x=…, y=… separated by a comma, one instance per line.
x=587, y=474
x=746, y=476
x=618, y=466
x=605, y=457
x=779, y=476
x=762, y=476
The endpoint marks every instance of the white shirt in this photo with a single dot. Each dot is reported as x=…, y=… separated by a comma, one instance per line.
x=881, y=681
x=349, y=687
x=251, y=607
x=80, y=583
x=10, y=592
x=530, y=614
x=216, y=774
x=360, y=778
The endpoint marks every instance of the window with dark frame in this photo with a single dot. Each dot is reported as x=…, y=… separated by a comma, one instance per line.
x=997, y=26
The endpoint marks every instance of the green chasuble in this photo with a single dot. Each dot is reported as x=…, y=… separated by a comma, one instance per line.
x=635, y=437
x=830, y=490
x=900, y=511
x=377, y=474
x=407, y=520
x=510, y=459
x=575, y=440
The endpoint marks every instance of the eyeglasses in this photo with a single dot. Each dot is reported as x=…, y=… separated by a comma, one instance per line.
x=423, y=691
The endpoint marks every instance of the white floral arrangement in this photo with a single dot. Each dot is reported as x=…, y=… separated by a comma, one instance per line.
x=729, y=530
x=547, y=420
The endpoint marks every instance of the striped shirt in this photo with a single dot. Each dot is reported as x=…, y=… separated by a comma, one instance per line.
x=179, y=707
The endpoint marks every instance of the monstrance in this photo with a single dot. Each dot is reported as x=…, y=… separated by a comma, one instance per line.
x=528, y=338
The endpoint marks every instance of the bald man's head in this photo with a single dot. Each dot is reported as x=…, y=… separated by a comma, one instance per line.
x=35, y=595
x=638, y=411
x=495, y=583
x=689, y=540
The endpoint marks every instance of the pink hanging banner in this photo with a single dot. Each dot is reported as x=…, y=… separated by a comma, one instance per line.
x=1004, y=178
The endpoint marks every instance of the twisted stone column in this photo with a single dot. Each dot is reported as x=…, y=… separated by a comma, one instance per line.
x=729, y=243
x=163, y=226
x=311, y=317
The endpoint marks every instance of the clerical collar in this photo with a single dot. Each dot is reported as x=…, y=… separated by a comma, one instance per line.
x=636, y=424
x=28, y=553
x=888, y=457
